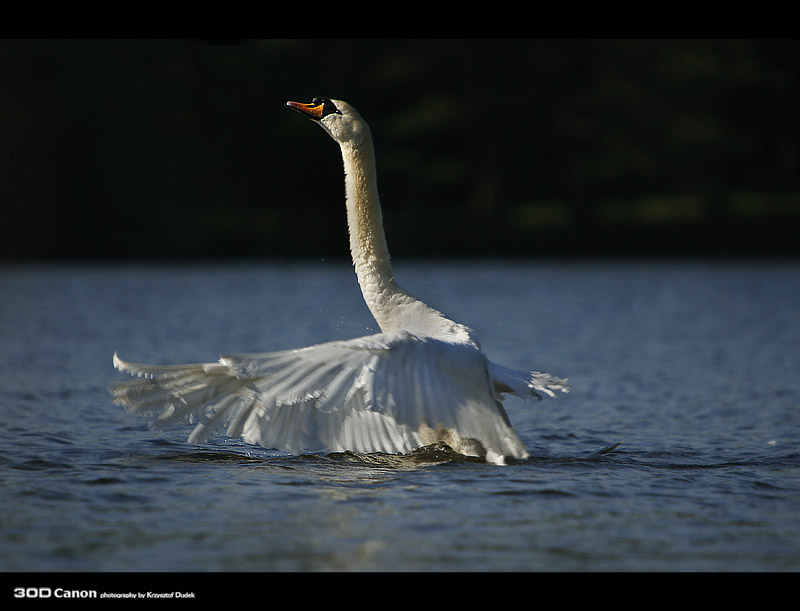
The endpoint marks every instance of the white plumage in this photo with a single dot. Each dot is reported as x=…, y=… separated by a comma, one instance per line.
x=422, y=380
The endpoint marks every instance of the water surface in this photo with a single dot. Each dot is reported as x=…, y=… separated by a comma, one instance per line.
x=693, y=366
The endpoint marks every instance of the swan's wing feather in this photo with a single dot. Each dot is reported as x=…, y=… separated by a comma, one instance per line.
x=525, y=384
x=390, y=392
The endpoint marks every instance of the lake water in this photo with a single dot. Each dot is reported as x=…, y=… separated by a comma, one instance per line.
x=692, y=366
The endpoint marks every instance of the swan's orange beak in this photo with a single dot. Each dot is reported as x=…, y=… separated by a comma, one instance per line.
x=313, y=111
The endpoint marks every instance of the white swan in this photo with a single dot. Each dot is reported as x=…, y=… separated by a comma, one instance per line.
x=422, y=380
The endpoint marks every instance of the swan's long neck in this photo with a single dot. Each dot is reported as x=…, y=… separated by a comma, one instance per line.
x=365, y=223
x=392, y=306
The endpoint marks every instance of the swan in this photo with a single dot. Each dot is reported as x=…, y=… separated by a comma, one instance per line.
x=422, y=380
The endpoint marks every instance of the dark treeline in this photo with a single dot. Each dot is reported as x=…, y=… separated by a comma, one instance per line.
x=182, y=148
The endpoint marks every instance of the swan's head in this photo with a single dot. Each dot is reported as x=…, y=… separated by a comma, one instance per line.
x=336, y=117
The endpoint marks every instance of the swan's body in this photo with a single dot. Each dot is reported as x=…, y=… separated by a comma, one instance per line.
x=422, y=380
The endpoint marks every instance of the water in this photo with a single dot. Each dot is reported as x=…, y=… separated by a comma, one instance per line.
x=693, y=366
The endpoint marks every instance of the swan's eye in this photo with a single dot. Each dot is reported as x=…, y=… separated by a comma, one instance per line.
x=328, y=107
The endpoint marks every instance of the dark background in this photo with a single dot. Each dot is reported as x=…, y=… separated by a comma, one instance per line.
x=182, y=148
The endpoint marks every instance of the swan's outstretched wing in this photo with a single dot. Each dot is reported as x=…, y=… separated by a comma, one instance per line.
x=390, y=392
